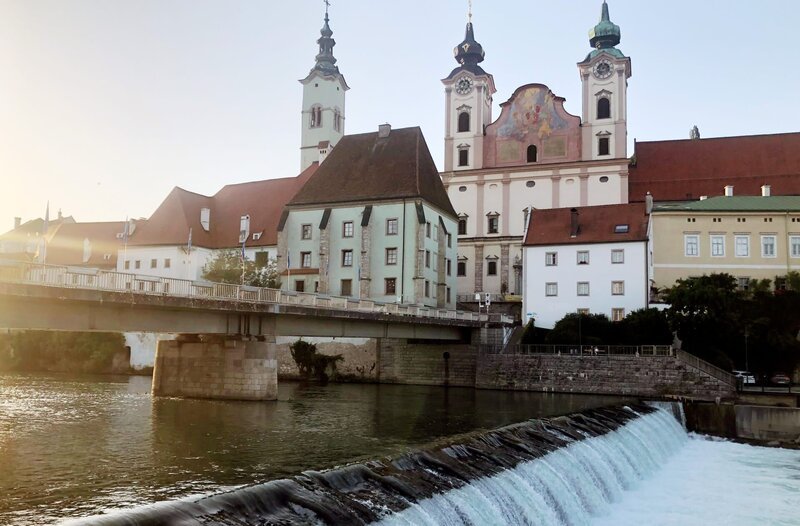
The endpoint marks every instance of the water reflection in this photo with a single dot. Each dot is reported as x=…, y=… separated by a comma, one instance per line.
x=72, y=446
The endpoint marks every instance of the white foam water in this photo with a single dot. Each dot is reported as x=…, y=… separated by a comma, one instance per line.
x=647, y=472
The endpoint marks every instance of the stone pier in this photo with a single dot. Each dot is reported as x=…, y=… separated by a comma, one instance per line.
x=218, y=368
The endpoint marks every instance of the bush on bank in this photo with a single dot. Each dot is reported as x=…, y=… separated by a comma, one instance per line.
x=73, y=352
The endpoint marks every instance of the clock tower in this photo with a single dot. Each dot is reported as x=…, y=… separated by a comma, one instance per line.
x=322, y=117
x=468, y=102
x=604, y=76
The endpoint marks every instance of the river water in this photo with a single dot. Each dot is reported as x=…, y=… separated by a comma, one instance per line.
x=72, y=446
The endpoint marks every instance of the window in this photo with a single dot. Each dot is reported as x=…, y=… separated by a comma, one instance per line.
x=436, y=233
x=463, y=157
x=449, y=240
x=603, y=108
x=583, y=288
x=617, y=314
x=391, y=256
x=316, y=287
x=305, y=259
x=533, y=154
x=493, y=226
x=127, y=265
x=316, y=117
x=530, y=184
x=347, y=258
x=347, y=229
x=167, y=263
x=305, y=232
x=347, y=287
x=617, y=288
x=428, y=230
x=391, y=227
x=462, y=227
x=262, y=258
x=583, y=312
x=618, y=256
x=603, y=146
x=447, y=297
x=337, y=120
x=153, y=263
x=463, y=121
x=461, y=268
x=390, y=286
x=743, y=283
x=768, y=246
x=491, y=268
x=300, y=285
x=794, y=244
x=551, y=259
x=551, y=289
x=448, y=265
x=717, y=246
x=690, y=246
x=583, y=257
x=427, y=289
x=621, y=229
x=742, y=246
x=137, y=264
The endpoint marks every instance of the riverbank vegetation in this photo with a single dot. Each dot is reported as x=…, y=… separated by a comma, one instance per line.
x=311, y=363
x=73, y=352
x=227, y=267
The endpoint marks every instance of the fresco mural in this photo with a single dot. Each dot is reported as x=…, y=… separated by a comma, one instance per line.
x=532, y=112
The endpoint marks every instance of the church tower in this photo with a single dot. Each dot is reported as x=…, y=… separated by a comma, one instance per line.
x=468, y=102
x=322, y=118
x=604, y=75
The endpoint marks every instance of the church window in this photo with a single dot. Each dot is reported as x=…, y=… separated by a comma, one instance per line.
x=533, y=153
x=462, y=226
x=604, y=179
x=493, y=225
x=603, y=108
x=530, y=184
x=337, y=120
x=491, y=268
x=462, y=188
x=463, y=157
x=461, y=268
x=463, y=121
x=316, y=117
x=604, y=146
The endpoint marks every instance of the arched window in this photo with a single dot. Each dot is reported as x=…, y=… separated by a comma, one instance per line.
x=316, y=117
x=603, y=108
x=532, y=153
x=463, y=121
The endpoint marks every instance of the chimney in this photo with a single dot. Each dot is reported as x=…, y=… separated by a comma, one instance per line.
x=765, y=191
x=324, y=148
x=729, y=191
x=703, y=197
x=648, y=204
x=17, y=222
x=573, y=229
x=384, y=130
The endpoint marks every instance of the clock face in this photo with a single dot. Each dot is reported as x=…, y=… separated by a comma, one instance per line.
x=603, y=69
x=463, y=85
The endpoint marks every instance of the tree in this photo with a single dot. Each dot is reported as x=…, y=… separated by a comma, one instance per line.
x=645, y=327
x=226, y=267
x=584, y=329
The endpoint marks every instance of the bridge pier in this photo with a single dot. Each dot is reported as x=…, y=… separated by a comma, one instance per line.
x=216, y=367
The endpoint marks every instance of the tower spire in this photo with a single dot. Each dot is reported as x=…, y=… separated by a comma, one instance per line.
x=325, y=61
x=606, y=34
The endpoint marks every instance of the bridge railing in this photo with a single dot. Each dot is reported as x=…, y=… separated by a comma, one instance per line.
x=581, y=350
x=109, y=280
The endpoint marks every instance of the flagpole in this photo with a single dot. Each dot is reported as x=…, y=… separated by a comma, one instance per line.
x=46, y=227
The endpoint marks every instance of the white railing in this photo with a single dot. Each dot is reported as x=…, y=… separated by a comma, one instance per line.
x=97, y=279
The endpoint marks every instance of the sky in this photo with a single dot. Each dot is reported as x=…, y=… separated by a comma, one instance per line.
x=105, y=106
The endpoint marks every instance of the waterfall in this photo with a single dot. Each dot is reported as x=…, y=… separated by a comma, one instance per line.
x=560, y=471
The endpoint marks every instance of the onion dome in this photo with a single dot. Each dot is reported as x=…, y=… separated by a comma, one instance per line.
x=606, y=34
x=469, y=52
x=326, y=62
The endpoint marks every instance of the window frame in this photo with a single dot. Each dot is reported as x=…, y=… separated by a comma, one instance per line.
x=582, y=260
x=387, y=290
x=620, y=252
x=551, y=289
x=491, y=268
x=774, y=244
x=459, y=266
x=606, y=113
x=306, y=231
x=794, y=243
x=391, y=251
x=618, y=288
x=695, y=242
x=392, y=226
x=305, y=259
x=462, y=221
x=738, y=245
x=349, y=282
x=493, y=224
x=348, y=232
x=721, y=244
x=551, y=261
x=427, y=259
x=603, y=146
x=460, y=122
x=617, y=314
x=463, y=157
x=347, y=254
x=582, y=285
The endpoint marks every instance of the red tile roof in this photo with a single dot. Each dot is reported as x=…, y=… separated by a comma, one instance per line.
x=596, y=225
x=180, y=211
x=66, y=246
x=365, y=167
x=686, y=169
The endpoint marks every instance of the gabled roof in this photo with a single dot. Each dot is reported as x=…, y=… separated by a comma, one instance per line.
x=596, y=224
x=687, y=169
x=263, y=201
x=366, y=168
x=742, y=203
x=33, y=228
x=66, y=246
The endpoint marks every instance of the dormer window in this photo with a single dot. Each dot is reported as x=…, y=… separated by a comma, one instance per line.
x=533, y=153
x=316, y=117
x=603, y=108
x=621, y=229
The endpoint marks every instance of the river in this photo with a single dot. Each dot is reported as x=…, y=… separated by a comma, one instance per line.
x=72, y=446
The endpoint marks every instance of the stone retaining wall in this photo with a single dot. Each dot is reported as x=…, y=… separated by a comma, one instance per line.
x=426, y=364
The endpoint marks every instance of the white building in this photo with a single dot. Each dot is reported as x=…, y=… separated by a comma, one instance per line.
x=591, y=260
x=535, y=154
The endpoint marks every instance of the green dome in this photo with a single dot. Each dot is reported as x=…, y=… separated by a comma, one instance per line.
x=606, y=34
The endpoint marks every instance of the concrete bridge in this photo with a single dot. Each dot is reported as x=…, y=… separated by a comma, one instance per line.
x=227, y=347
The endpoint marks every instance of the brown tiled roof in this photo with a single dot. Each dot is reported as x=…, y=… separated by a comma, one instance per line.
x=596, y=225
x=180, y=211
x=33, y=228
x=687, y=169
x=365, y=167
x=67, y=243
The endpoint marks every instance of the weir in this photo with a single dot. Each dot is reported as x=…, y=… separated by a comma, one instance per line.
x=549, y=471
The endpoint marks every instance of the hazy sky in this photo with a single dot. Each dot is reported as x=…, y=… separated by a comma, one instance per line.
x=106, y=105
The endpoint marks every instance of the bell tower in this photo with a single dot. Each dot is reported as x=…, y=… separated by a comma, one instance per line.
x=468, y=105
x=604, y=76
x=322, y=118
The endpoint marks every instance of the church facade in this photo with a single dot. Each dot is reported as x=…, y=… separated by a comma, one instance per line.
x=535, y=155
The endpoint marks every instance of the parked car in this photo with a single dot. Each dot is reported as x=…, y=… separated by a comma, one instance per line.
x=780, y=379
x=746, y=377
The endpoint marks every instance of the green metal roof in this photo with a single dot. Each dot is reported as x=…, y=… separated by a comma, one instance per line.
x=743, y=203
x=614, y=52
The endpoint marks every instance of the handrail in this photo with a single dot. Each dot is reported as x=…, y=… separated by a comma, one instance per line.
x=111, y=280
x=581, y=350
x=706, y=367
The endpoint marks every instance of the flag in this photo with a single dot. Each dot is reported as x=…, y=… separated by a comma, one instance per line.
x=189, y=244
x=288, y=259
